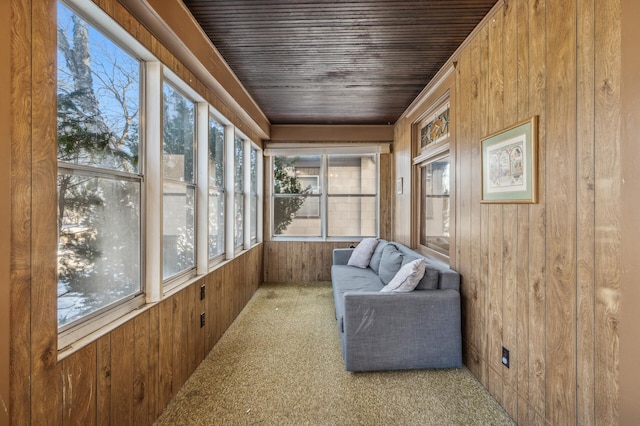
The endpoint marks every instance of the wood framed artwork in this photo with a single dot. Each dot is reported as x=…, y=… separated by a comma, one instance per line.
x=509, y=164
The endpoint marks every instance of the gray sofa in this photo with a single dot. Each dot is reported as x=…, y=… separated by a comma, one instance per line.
x=394, y=331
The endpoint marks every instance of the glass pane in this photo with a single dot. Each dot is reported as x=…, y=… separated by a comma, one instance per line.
x=254, y=171
x=99, y=260
x=435, y=129
x=178, y=246
x=352, y=216
x=177, y=135
x=238, y=148
x=352, y=174
x=297, y=175
x=254, y=217
x=434, y=205
x=216, y=223
x=238, y=238
x=297, y=216
x=216, y=154
x=98, y=98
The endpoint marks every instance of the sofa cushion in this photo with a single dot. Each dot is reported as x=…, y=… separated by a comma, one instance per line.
x=390, y=263
x=431, y=275
x=430, y=279
x=407, y=278
x=362, y=253
x=348, y=278
x=374, y=263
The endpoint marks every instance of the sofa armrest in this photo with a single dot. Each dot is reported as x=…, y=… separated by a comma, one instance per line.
x=388, y=331
x=341, y=256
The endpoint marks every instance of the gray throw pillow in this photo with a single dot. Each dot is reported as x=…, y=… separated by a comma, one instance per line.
x=362, y=253
x=407, y=278
x=390, y=263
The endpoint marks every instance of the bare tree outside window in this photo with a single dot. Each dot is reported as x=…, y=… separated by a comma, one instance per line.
x=99, y=186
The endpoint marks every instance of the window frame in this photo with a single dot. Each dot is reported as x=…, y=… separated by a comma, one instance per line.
x=324, y=152
x=253, y=195
x=153, y=287
x=239, y=193
x=220, y=190
x=80, y=328
x=440, y=148
x=183, y=275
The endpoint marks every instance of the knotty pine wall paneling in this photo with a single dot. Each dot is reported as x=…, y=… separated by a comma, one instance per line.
x=608, y=207
x=520, y=358
x=542, y=279
x=128, y=375
x=5, y=214
x=585, y=169
x=299, y=261
x=629, y=369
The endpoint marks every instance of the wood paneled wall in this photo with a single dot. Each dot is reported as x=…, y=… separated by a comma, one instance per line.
x=5, y=218
x=542, y=279
x=128, y=375
x=629, y=337
x=299, y=261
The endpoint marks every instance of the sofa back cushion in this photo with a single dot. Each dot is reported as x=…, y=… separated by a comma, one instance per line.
x=390, y=263
x=374, y=263
x=430, y=278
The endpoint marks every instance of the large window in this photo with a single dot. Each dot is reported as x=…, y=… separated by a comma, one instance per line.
x=178, y=170
x=433, y=167
x=325, y=196
x=434, y=204
x=352, y=195
x=238, y=189
x=155, y=187
x=253, y=194
x=216, y=189
x=99, y=174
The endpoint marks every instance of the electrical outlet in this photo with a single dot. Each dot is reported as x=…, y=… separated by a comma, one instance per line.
x=505, y=357
x=202, y=320
x=203, y=289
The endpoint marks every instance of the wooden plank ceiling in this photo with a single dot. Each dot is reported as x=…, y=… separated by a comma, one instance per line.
x=336, y=62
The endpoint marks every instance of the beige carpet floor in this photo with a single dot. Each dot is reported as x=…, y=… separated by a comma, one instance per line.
x=280, y=363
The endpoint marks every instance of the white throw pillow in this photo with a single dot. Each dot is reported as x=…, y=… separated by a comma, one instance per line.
x=362, y=253
x=407, y=278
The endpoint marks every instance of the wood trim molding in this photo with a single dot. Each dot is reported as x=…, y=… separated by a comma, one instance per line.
x=449, y=66
x=331, y=133
x=177, y=30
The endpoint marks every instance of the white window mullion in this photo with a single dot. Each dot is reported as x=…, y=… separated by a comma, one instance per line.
x=153, y=180
x=229, y=174
x=202, y=188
